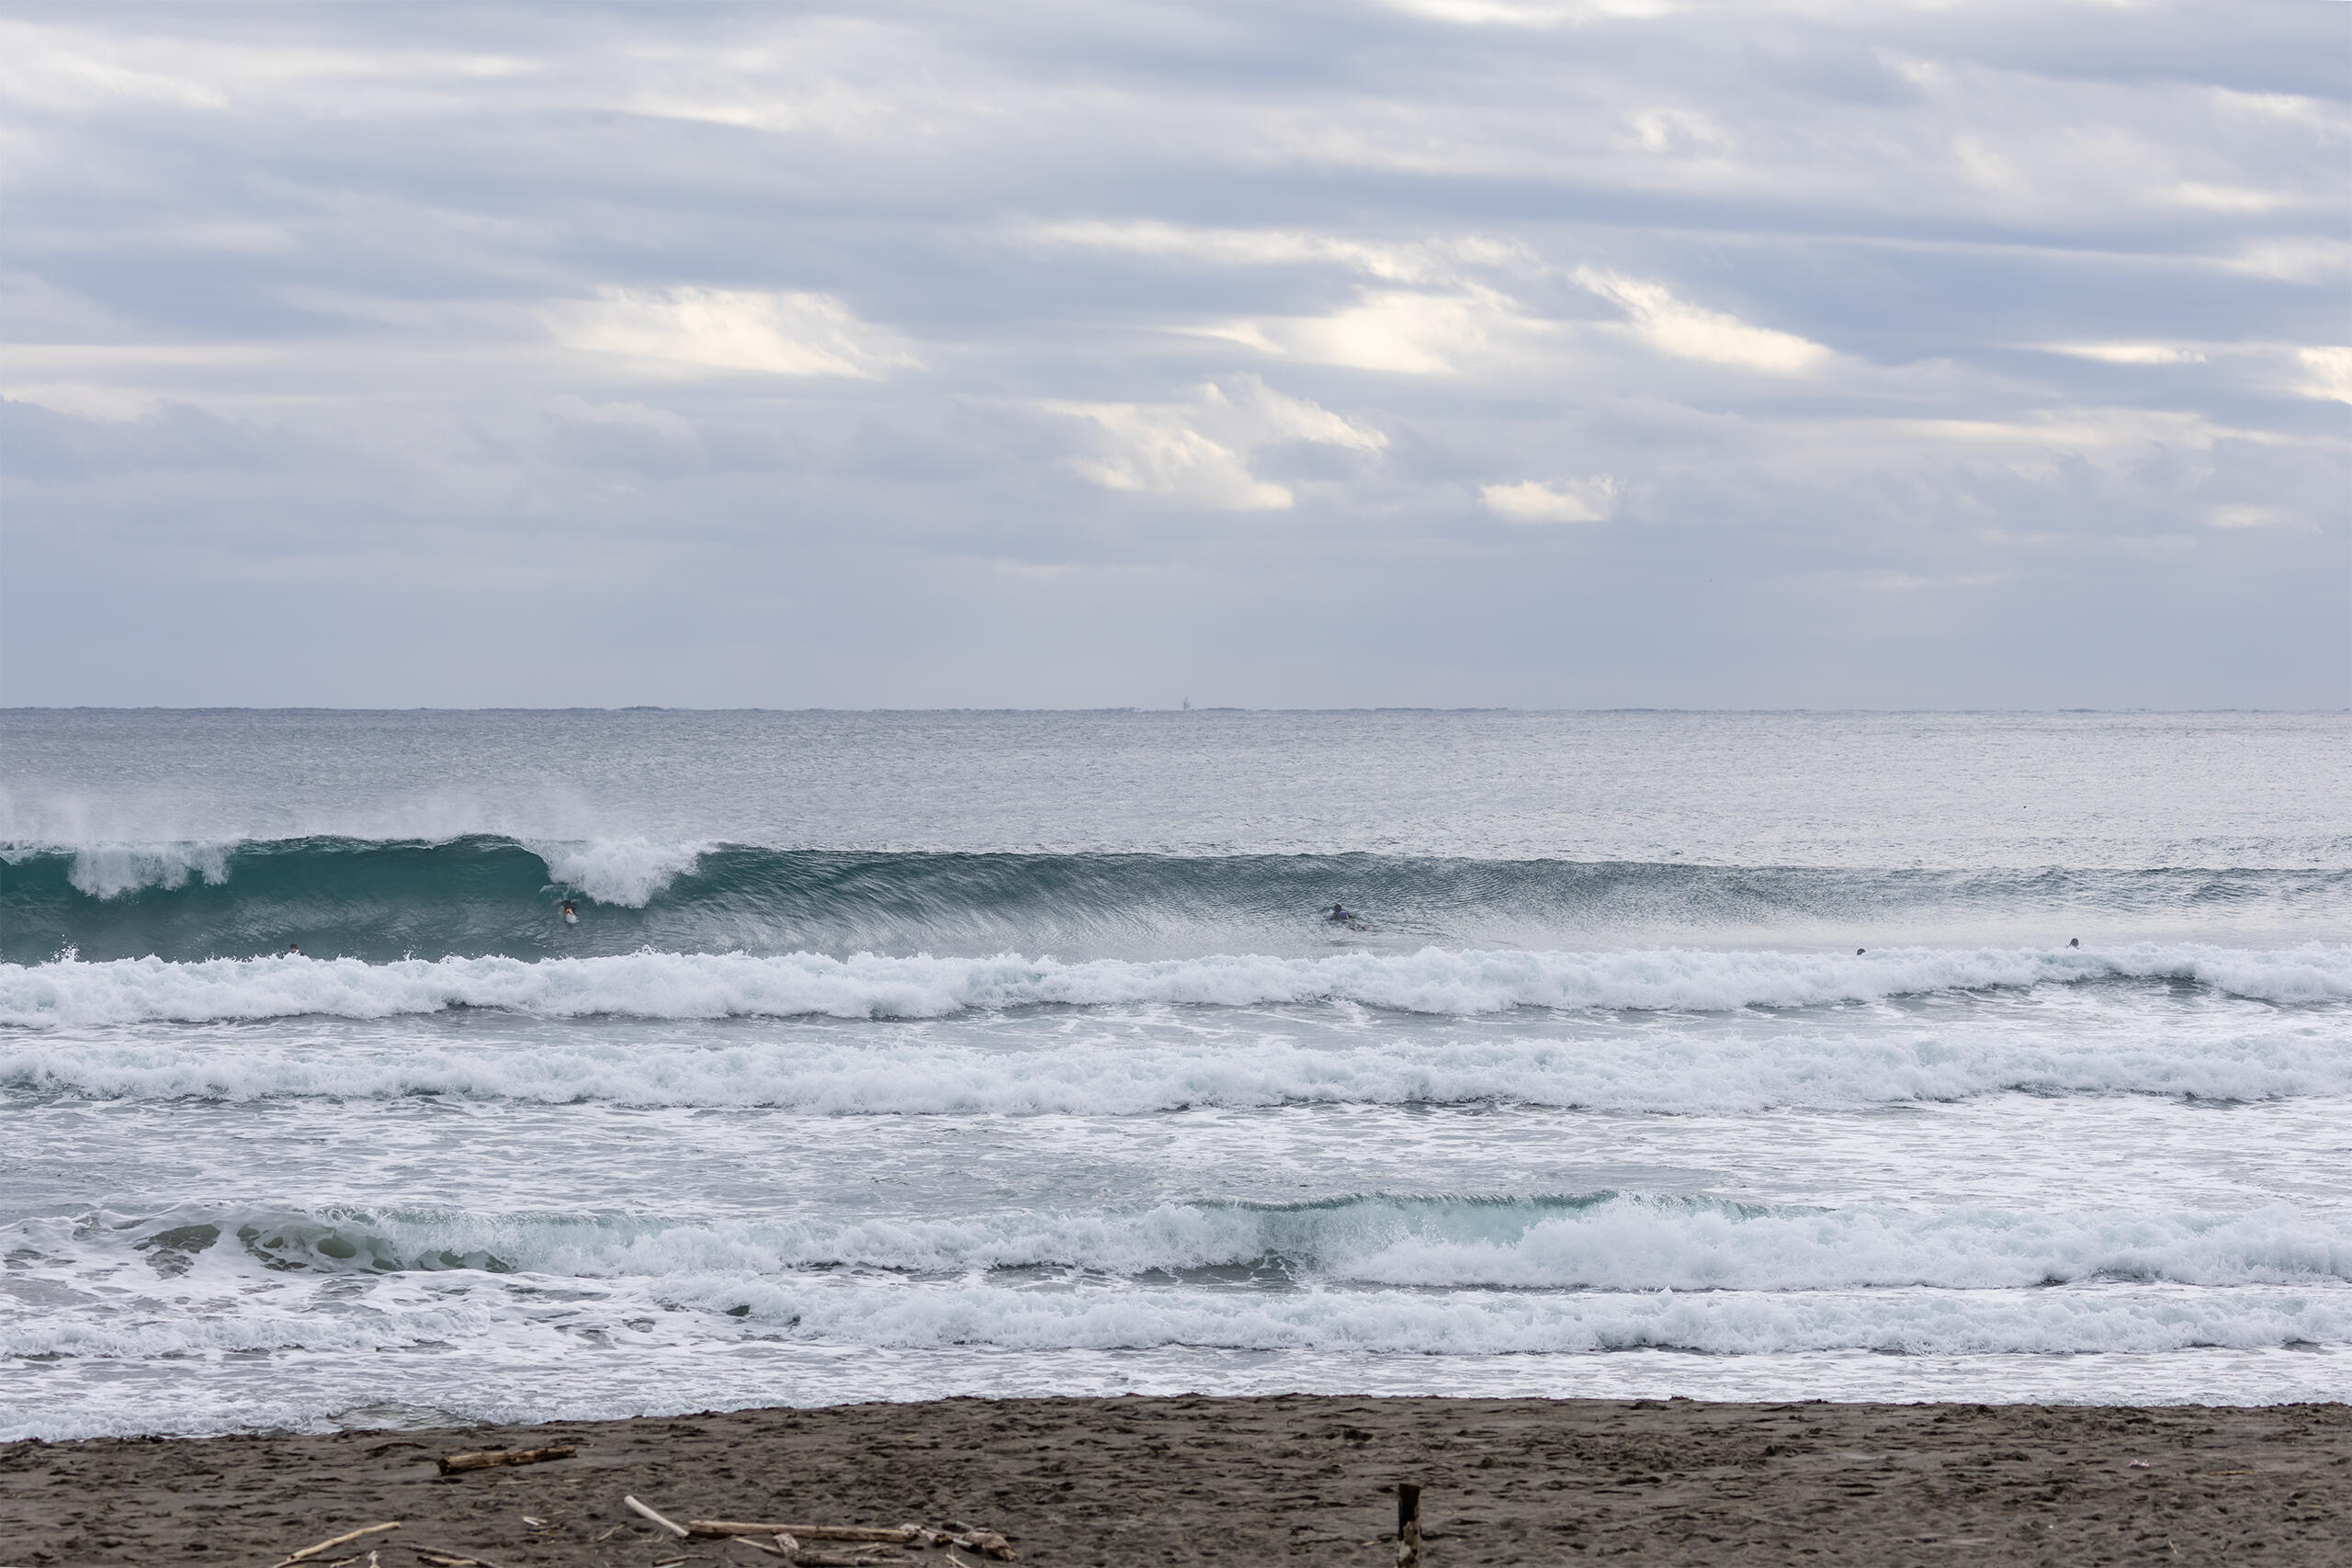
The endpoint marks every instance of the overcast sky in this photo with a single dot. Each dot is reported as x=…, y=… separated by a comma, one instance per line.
x=1539, y=353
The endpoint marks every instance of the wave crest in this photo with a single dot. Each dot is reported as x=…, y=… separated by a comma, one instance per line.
x=866, y=985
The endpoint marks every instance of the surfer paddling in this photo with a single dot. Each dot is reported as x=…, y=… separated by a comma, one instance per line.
x=1341, y=915
x=571, y=916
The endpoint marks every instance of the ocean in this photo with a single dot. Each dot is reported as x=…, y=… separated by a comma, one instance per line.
x=1741, y=1057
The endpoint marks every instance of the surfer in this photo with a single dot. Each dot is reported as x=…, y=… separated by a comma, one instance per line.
x=571, y=916
x=1340, y=916
x=2074, y=942
x=293, y=950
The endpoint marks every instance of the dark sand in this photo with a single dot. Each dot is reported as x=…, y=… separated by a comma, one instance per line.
x=1286, y=1480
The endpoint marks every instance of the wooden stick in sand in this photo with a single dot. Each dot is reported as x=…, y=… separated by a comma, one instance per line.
x=491, y=1459
x=888, y=1535
x=1408, y=1525
x=311, y=1552
x=670, y=1525
x=447, y=1557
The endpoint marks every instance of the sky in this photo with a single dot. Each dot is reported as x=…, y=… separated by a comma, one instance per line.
x=1509, y=353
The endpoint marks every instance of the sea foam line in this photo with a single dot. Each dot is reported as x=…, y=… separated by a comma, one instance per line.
x=399, y=1312
x=1599, y=1241
x=705, y=985
x=902, y=1071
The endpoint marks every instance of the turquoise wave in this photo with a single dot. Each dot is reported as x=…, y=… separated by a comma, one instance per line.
x=381, y=900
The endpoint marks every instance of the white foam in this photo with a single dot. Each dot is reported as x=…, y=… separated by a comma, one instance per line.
x=111, y=870
x=1115, y=1069
x=1617, y=1243
x=140, y=1330
x=702, y=985
x=197, y=1315
x=631, y=873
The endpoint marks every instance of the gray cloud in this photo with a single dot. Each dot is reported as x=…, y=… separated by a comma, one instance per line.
x=1445, y=351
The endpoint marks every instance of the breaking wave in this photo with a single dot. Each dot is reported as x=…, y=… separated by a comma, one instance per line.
x=1604, y=1241
x=381, y=899
x=1578, y=1274
x=866, y=985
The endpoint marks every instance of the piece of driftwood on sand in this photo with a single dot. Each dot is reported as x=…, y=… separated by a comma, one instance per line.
x=673, y=1526
x=971, y=1537
x=492, y=1459
x=448, y=1557
x=881, y=1535
x=310, y=1551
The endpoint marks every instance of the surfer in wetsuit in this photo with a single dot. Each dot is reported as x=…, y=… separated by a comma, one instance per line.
x=1340, y=916
x=571, y=916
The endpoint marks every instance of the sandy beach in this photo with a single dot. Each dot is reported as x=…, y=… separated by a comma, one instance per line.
x=1277, y=1480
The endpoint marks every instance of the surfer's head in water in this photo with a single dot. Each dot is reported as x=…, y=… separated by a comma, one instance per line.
x=293, y=950
x=1339, y=912
x=2074, y=942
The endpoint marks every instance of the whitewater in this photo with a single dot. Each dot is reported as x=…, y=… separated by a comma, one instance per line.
x=1750, y=1056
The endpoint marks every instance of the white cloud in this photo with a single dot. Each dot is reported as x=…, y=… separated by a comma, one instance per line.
x=1436, y=260
x=1198, y=450
x=2128, y=353
x=2331, y=373
x=2247, y=517
x=83, y=400
x=1691, y=331
x=1675, y=131
x=2240, y=200
x=719, y=329
x=1568, y=501
x=1986, y=167
x=2306, y=260
x=1406, y=332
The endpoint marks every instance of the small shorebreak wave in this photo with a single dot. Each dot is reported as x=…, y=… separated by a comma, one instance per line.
x=1383, y=1274
x=379, y=900
x=1606, y=1240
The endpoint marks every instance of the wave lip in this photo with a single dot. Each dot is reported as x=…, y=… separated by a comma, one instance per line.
x=866, y=985
x=627, y=874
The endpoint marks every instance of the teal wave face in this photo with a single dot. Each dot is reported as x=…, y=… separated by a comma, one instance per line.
x=382, y=900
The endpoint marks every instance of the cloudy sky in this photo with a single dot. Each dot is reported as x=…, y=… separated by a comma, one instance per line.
x=1538, y=352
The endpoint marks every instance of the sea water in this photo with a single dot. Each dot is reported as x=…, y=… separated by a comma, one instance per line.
x=897, y=1056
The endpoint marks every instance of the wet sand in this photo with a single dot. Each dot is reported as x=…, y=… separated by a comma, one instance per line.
x=1293, y=1480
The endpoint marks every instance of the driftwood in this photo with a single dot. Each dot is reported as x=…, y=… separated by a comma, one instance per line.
x=972, y=1537
x=1408, y=1525
x=887, y=1535
x=443, y=1557
x=670, y=1525
x=493, y=1457
x=310, y=1551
